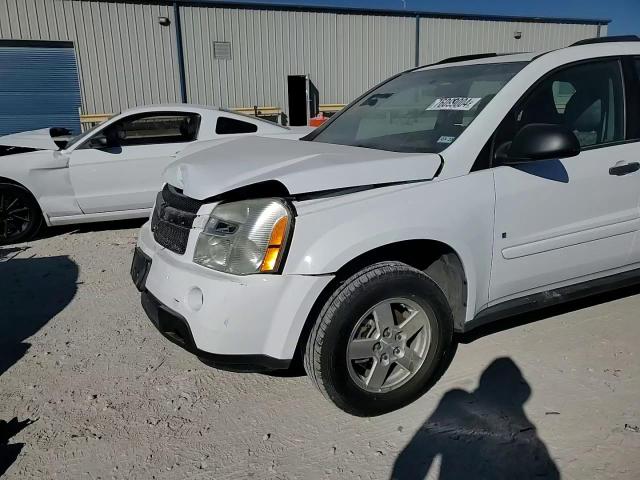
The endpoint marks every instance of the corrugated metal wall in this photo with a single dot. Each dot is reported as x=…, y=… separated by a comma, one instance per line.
x=344, y=54
x=444, y=37
x=126, y=58
x=38, y=88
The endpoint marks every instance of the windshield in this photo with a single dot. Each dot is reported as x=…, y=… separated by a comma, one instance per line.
x=421, y=111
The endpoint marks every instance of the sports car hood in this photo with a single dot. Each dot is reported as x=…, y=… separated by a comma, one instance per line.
x=40, y=139
x=301, y=166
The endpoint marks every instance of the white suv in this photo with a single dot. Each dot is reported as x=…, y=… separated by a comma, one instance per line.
x=449, y=196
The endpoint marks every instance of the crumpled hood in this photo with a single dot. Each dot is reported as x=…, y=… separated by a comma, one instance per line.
x=41, y=139
x=301, y=166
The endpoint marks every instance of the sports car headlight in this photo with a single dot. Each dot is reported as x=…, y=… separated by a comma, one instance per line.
x=245, y=237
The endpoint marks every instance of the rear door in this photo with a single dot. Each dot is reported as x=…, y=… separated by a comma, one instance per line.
x=563, y=221
x=120, y=167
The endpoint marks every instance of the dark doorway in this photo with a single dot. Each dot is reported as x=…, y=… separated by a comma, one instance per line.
x=304, y=100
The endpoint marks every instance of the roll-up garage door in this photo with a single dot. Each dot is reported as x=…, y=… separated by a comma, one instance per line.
x=39, y=86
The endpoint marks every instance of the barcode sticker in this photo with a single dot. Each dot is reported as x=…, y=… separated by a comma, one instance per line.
x=453, y=103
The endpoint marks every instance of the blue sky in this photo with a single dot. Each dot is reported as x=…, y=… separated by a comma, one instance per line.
x=624, y=14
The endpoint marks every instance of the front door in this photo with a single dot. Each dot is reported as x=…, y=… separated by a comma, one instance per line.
x=566, y=220
x=120, y=167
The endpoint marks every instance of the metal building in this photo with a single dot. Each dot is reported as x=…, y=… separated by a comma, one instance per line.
x=239, y=55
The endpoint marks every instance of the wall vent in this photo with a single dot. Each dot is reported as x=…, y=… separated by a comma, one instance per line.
x=222, y=50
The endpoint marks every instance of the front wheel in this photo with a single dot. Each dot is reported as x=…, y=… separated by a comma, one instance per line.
x=380, y=339
x=20, y=216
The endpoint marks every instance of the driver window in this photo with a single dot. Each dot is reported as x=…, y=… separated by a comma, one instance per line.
x=586, y=98
x=151, y=129
x=158, y=128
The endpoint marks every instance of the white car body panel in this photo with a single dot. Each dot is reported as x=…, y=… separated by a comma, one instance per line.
x=516, y=232
x=104, y=181
x=40, y=139
x=78, y=185
x=239, y=327
x=299, y=166
x=331, y=232
x=569, y=220
x=99, y=217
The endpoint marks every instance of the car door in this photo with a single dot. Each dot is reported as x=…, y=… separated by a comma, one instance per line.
x=563, y=221
x=120, y=167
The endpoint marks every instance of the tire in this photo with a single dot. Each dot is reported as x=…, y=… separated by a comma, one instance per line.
x=20, y=216
x=338, y=328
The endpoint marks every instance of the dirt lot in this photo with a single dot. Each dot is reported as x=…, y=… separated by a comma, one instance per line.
x=88, y=389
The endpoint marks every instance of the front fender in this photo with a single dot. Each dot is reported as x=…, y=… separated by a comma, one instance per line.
x=45, y=174
x=457, y=212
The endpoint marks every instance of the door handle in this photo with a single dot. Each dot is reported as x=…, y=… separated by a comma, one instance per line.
x=621, y=168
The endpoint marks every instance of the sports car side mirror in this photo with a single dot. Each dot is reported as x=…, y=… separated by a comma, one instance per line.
x=540, y=141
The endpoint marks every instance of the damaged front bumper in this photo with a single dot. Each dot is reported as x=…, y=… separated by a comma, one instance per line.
x=239, y=322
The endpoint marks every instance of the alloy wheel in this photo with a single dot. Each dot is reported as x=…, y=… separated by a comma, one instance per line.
x=16, y=216
x=388, y=345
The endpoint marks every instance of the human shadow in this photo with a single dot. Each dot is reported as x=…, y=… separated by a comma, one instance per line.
x=10, y=451
x=32, y=292
x=484, y=434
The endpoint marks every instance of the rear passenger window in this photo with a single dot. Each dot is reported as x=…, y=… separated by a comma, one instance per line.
x=226, y=126
x=587, y=98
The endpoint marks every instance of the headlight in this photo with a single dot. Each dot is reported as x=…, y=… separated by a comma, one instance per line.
x=245, y=237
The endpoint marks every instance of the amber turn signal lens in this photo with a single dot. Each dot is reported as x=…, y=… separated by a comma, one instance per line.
x=270, y=261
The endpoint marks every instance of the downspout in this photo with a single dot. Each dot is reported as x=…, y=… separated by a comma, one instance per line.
x=178, y=26
x=417, y=61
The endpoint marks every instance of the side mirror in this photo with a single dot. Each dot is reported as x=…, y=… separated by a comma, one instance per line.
x=541, y=141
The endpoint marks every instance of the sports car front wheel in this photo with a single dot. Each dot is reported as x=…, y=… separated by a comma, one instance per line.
x=20, y=216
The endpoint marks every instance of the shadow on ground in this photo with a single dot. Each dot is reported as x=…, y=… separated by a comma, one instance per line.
x=484, y=434
x=33, y=291
x=10, y=451
x=7, y=253
x=91, y=227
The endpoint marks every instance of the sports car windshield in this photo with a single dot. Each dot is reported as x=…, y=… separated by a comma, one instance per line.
x=421, y=111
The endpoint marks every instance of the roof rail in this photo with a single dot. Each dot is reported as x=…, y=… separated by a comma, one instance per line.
x=614, y=38
x=463, y=58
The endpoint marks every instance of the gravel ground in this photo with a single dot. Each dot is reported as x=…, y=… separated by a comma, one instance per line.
x=88, y=389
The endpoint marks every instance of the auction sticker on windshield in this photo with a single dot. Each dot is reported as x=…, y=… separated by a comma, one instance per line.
x=454, y=103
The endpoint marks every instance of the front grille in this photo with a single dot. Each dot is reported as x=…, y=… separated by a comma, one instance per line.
x=173, y=218
x=174, y=197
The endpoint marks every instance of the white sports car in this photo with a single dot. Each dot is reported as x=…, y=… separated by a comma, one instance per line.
x=110, y=172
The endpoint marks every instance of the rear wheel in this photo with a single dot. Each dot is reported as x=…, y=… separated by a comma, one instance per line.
x=380, y=340
x=20, y=216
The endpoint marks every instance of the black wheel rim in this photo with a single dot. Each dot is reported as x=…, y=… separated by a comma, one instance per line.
x=16, y=215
